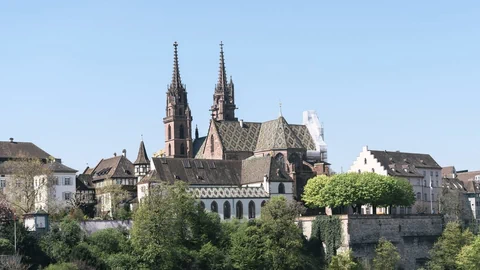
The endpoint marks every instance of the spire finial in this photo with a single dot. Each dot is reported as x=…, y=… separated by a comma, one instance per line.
x=222, y=74
x=280, y=105
x=176, y=80
x=142, y=137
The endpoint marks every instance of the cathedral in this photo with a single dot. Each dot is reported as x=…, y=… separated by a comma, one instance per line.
x=238, y=165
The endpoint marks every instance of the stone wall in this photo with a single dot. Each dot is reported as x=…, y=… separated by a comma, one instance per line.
x=413, y=235
x=92, y=226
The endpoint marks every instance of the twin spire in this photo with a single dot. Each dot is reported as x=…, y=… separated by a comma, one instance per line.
x=176, y=79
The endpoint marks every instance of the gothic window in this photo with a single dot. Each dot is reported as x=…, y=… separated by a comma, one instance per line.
x=182, y=132
x=280, y=159
x=182, y=149
x=212, y=144
x=169, y=132
x=202, y=205
x=169, y=150
x=263, y=203
x=226, y=210
x=214, y=207
x=281, y=188
x=239, y=210
x=251, y=209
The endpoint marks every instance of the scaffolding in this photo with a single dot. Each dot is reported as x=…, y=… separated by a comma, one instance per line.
x=315, y=127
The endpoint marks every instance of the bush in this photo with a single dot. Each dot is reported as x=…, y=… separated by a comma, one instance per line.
x=62, y=266
x=6, y=248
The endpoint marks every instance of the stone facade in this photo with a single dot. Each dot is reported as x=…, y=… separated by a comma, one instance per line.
x=413, y=235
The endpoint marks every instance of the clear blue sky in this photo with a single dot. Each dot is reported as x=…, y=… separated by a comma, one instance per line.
x=84, y=79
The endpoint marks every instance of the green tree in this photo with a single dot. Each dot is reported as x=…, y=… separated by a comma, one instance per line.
x=343, y=261
x=386, y=256
x=185, y=228
x=448, y=246
x=469, y=256
x=62, y=266
x=6, y=248
x=61, y=239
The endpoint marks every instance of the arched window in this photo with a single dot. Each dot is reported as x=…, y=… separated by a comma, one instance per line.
x=182, y=149
x=226, y=210
x=251, y=209
x=212, y=144
x=281, y=188
x=169, y=149
x=181, y=132
x=280, y=159
x=263, y=203
x=169, y=132
x=180, y=111
x=239, y=210
x=202, y=205
x=214, y=207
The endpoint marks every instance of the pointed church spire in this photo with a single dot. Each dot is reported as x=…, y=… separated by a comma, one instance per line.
x=196, y=132
x=222, y=73
x=176, y=79
x=142, y=157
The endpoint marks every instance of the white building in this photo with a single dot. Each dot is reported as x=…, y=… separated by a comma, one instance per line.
x=62, y=191
x=421, y=170
x=64, y=186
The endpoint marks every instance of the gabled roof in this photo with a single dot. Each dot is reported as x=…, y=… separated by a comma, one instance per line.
x=59, y=167
x=115, y=167
x=237, y=138
x=216, y=172
x=454, y=184
x=84, y=182
x=277, y=134
x=468, y=176
x=12, y=149
x=404, y=164
x=448, y=172
x=198, y=146
x=142, y=157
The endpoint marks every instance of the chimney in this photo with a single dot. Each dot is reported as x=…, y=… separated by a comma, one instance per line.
x=124, y=153
x=11, y=140
x=241, y=123
x=115, y=154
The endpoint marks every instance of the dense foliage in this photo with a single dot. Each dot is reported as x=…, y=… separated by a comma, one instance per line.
x=386, y=256
x=344, y=261
x=327, y=229
x=354, y=189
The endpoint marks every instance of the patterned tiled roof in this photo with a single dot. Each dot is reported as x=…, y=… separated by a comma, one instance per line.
x=227, y=192
x=277, y=134
x=237, y=138
x=304, y=136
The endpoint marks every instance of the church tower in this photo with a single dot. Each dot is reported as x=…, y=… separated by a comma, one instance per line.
x=178, y=122
x=223, y=108
x=142, y=163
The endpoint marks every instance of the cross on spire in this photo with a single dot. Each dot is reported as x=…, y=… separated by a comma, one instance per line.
x=280, y=105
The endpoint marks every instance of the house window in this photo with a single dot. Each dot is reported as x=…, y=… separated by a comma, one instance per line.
x=424, y=173
x=373, y=170
x=239, y=210
x=281, y=188
x=55, y=181
x=425, y=196
x=365, y=161
x=67, y=196
x=3, y=183
x=436, y=174
x=67, y=181
x=214, y=207
x=431, y=173
x=419, y=196
x=433, y=197
x=251, y=209
x=424, y=182
x=226, y=210
x=119, y=181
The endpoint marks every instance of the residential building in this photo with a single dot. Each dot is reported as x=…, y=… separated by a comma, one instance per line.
x=111, y=176
x=421, y=170
x=63, y=186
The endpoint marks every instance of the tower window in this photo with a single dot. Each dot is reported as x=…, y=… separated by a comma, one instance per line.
x=182, y=132
x=180, y=111
x=169, y=132
x=182, y=149
x=169, y=150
